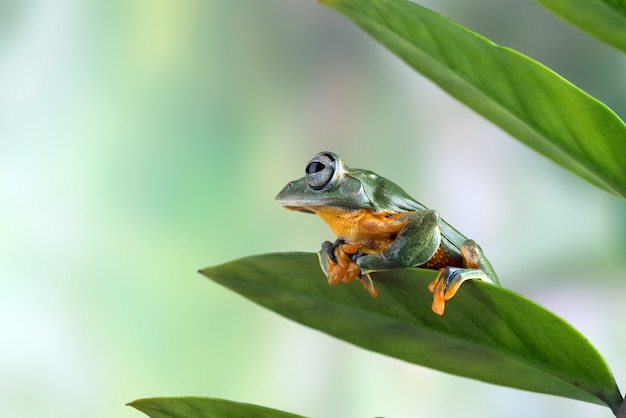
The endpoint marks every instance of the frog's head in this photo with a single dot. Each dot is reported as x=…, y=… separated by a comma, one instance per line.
x=327, y=182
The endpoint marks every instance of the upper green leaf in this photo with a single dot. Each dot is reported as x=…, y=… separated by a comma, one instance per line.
x=487, y=333
x=192, y=407
x=526, y=99
x=604, y=19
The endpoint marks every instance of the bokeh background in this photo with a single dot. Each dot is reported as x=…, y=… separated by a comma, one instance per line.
x=142, y=140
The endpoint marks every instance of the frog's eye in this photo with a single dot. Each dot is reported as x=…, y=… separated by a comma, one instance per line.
x=320, y=171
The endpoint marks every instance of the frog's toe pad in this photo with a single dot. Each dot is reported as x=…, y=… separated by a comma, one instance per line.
x=369, y=285
x=438, y=307
x=439, y=304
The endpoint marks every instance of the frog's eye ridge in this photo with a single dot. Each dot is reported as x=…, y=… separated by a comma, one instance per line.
x=320, y=171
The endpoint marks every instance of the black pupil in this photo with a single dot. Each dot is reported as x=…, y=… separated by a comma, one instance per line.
x=315, y=167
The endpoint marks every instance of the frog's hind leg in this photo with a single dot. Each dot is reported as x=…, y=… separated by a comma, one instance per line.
x=450, y=279
x=448, y=282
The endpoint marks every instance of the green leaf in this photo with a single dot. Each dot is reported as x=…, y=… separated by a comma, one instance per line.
x=192, y=407
x=523, y=97
x=604, y=19
x=487, y=333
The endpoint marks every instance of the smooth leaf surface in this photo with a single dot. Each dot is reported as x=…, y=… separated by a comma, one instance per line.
x=193, y=407
x=604, y=19
x=523, y=97
x=487, y=333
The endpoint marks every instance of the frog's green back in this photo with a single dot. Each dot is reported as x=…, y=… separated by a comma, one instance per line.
x=384, y=194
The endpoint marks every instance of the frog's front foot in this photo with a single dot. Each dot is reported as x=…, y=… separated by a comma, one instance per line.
x=448, y=282
x=336, y=264
x=337, y=260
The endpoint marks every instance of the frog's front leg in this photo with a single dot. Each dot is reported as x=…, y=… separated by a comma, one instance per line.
x=449, y=279
x=337, y=262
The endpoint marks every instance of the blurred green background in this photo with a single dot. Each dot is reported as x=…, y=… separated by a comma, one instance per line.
x=143, y=140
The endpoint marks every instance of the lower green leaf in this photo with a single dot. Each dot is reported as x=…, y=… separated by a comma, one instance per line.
x=487, y=332
x=192, y=407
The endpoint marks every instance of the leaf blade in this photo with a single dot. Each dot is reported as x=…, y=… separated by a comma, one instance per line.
x=603, y=19
x=196, y=407
x=523, y=97
x=487, y=333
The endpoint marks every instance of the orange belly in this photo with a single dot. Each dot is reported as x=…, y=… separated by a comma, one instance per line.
x=363, y=227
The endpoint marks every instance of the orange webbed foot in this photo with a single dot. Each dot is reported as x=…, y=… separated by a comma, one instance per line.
x=336, y=260
x=448, y=282
x=443, y=288
x=337, y=265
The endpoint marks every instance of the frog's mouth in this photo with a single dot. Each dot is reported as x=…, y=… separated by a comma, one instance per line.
x=299, y=209
x=291, y=200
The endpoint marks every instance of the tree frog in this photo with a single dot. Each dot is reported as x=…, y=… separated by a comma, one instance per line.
x=380, y=227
